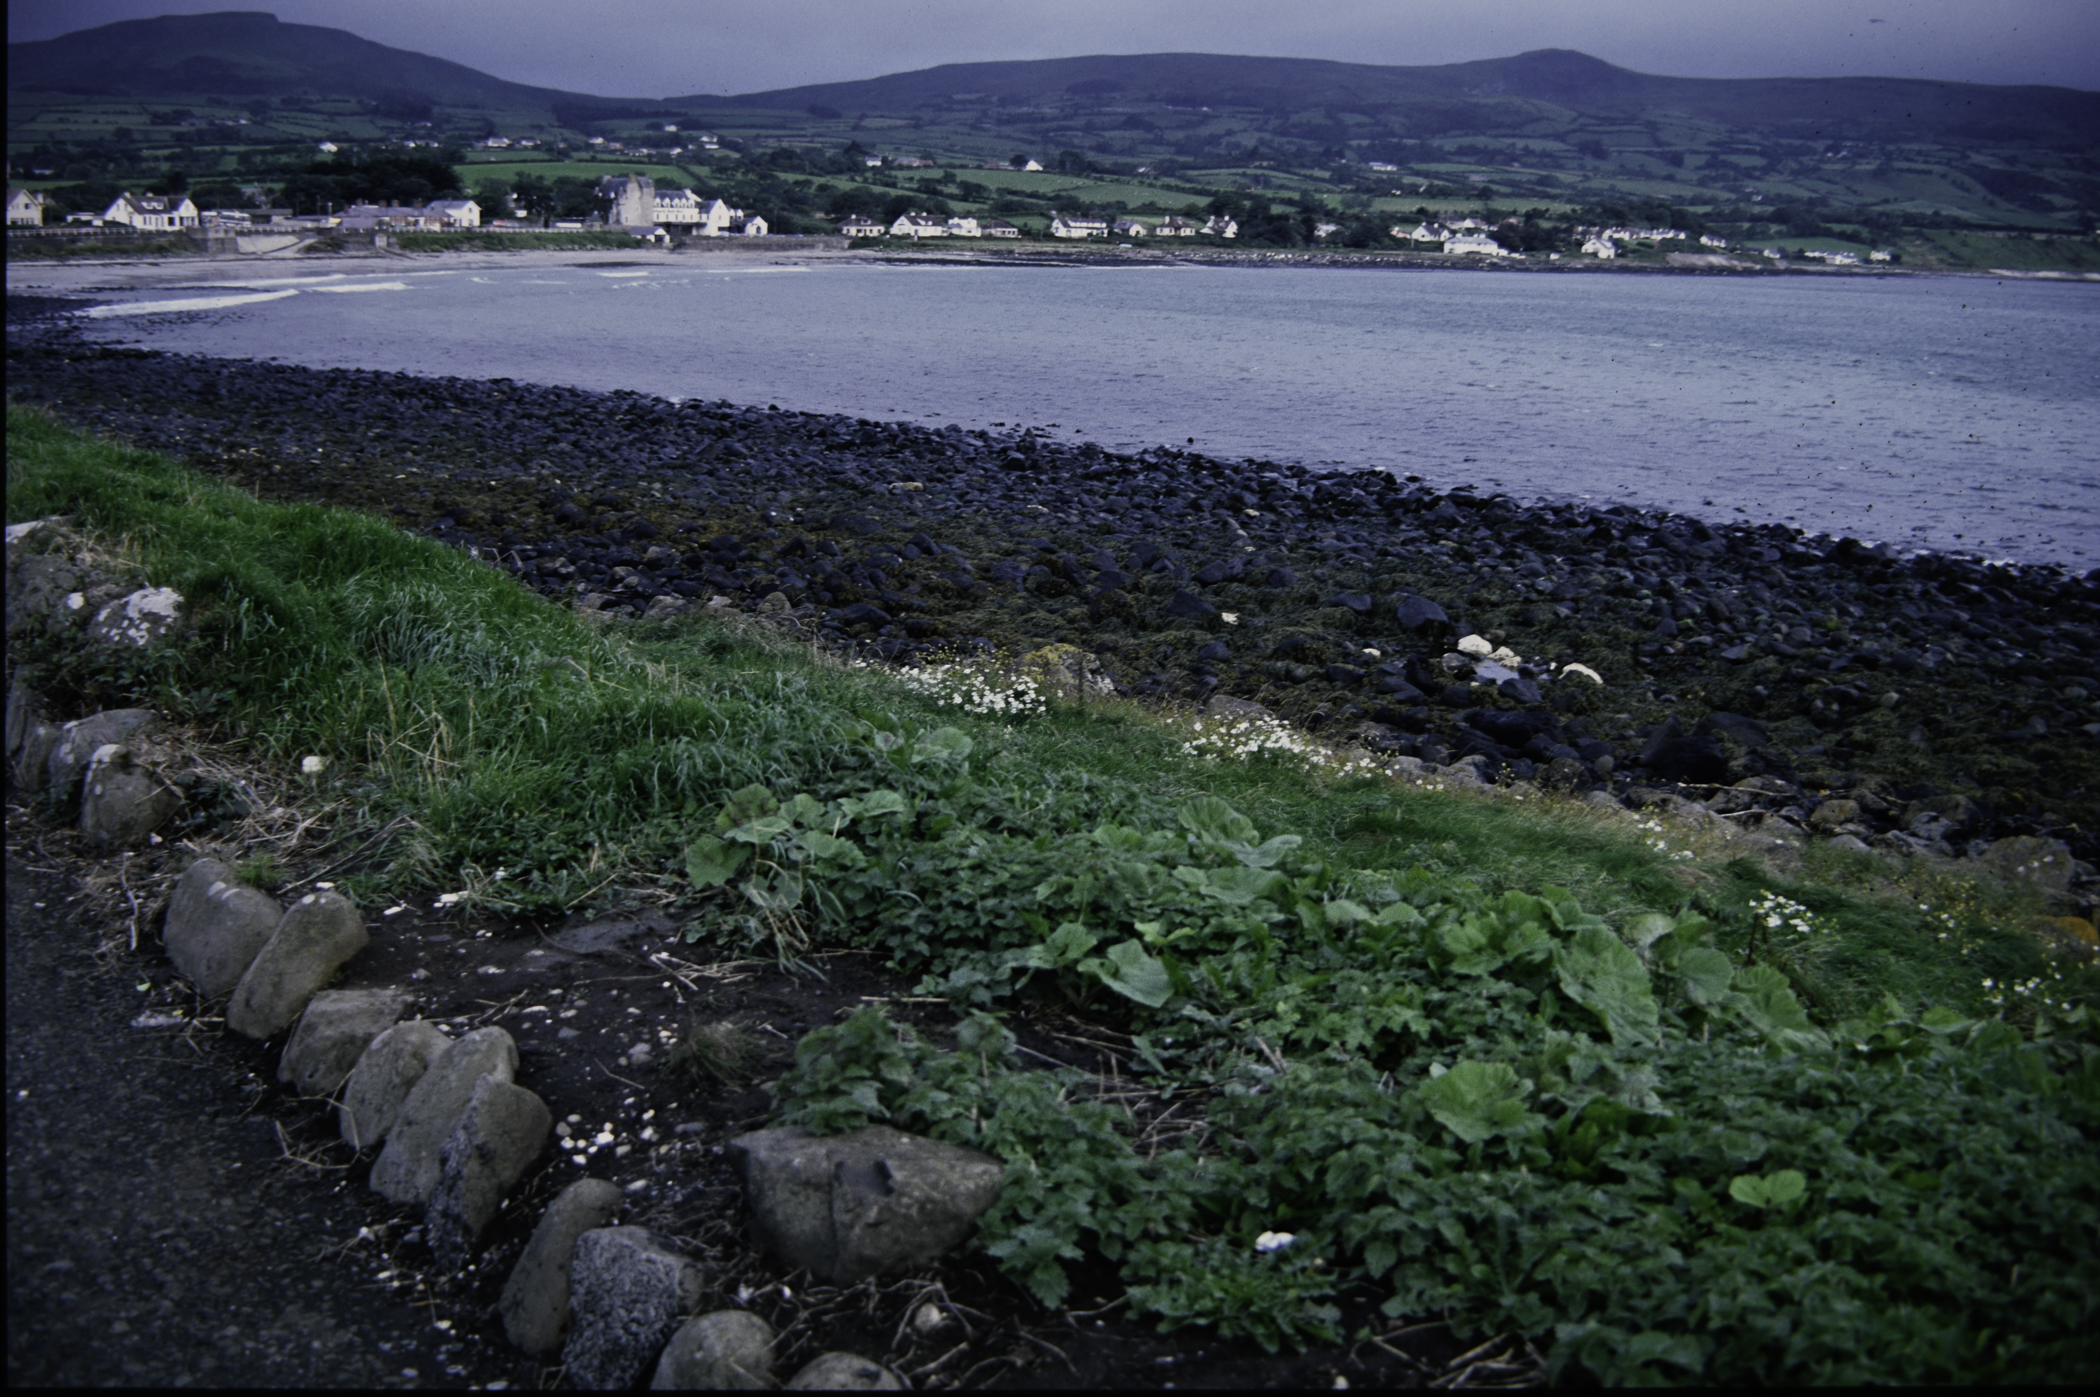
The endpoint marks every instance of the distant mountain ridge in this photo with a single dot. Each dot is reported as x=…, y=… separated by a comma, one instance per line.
x=1811, y=108
x=239, y=53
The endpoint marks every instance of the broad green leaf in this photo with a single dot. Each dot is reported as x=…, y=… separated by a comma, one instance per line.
x=1397, y=914
x=941, y=745
x=1644, y=931
x=1269, y=853
x=1767, y=1003
x=710, y=862
x=1943, y=1021
x=1706, y=974
x=763, y=830
x=1208, y=817
x=1475, y=1100
x=1342, y=913
x=1603, y=974
x=831, y=847
x=744, y=806
x=874, y=803
x=1131, y=973
x=804, y=809
x=1774, y=1190
x=1069, y=942
x=1236, y=887
x=1750, y=1189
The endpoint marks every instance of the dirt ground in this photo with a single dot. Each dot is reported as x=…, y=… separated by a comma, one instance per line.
x=177, y=1217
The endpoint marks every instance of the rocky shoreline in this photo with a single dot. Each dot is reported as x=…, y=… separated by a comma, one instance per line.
x=1925, y=704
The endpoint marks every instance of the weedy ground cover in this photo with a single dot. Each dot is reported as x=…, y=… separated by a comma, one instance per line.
x=1512, y=1062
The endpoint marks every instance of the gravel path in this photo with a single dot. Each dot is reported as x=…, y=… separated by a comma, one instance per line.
x=155, y=1234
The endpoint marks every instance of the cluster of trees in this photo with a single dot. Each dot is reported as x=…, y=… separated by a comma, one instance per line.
x=407, y=177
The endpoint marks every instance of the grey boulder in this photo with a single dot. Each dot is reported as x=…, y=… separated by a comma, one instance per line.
x=318, y=935
x=407, y=1170
x=32, y=755
x=727, y=1351
x=216, y=925
x=78, y=741
x=2047, y=863
x=124, y=800
x=843, y=1372
x=627, y=1289
x=385, y=1074
x=535, y=1301
x=847, y=1207
x=332, y=1035
x=144, y=618
x=502, y=1131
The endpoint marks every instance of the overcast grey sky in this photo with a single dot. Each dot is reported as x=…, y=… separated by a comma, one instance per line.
x=663, y=48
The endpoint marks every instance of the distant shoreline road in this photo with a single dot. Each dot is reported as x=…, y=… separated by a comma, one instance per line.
x=24, y=272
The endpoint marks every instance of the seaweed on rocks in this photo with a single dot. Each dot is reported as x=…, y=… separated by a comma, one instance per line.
x=1746, y=664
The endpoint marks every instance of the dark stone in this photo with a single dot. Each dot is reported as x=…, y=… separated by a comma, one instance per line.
x=1358, y=602
x=1399, y=690
x=1522, y=690
x=1189, y=606
x=1216, y=650
x=1213, y=573
x=862, y=614
x=1280, y=577
x=1455, y=695
x=1692, y=760
x=1748, y=732
x=1419, y=613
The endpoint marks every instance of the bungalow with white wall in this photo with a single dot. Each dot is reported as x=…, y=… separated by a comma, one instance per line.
x=963, y=226
x=1221, y=226
x=396, y=217
x=716, y=219
x=151, y=213
x=919, y=225
x=1475, y=244
x=1424, y=233
x=1602, y=247
x=25, y=208
x=1130, y=228
x=1176, y=226
x=1323, y=231
x=1077, y=226
x=997, y=228
x=859, y=226
x=750, y=226
x=455, y=213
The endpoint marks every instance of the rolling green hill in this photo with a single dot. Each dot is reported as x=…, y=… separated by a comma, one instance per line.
x=248, y=54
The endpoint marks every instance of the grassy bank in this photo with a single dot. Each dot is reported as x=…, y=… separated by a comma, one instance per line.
x=1521, y=1062
x=510, y=242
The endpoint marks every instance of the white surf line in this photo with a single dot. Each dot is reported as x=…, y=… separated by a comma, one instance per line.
x=263, y=283
x=623, y=274
x=365, y=286
x=193, y=303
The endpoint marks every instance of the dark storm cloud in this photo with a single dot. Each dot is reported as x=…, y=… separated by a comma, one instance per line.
x=662, y=48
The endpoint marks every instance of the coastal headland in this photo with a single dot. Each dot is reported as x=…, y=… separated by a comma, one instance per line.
x=1925, y=703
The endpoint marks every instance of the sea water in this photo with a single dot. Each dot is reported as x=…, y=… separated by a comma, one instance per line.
x=1947, y=412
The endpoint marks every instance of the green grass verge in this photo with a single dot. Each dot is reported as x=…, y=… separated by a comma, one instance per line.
x=1716, y=1125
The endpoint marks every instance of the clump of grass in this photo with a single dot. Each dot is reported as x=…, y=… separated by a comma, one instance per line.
x=716, y=1051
